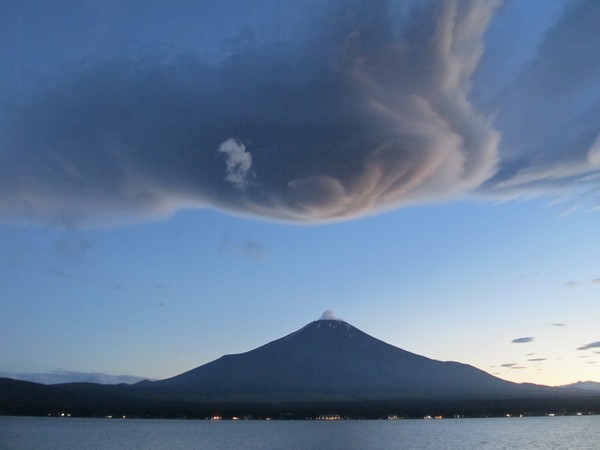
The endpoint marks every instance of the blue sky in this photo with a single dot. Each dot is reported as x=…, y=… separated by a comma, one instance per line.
x=187, y=180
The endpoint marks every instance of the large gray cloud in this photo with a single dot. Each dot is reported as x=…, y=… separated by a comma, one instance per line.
x=363, y=108
x=363, y=113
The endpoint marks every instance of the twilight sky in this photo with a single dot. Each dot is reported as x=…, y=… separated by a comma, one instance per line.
x=183, y=179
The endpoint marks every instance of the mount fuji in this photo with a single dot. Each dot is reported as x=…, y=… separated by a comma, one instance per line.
x=331, y=360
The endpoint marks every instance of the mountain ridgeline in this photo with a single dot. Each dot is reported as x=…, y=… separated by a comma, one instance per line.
x=328, y=366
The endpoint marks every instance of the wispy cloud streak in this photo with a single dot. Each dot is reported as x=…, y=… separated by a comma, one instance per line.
x=522, y=340
x=590, y=346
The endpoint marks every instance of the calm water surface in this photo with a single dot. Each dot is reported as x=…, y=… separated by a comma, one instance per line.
x=581, y=432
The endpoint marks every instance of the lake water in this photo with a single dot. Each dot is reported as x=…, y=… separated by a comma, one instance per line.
x=573, y=432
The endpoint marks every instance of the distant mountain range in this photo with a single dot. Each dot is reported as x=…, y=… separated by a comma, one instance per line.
x=583, y=385
x=327, y=366
x=68, y=376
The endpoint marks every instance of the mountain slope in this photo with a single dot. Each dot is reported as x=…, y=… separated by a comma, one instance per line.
x=333, y=359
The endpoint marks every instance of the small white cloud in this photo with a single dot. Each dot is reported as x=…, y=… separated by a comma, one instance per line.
x=329, y=315
x=253, y=250
x=249, y=248
x=238, y=162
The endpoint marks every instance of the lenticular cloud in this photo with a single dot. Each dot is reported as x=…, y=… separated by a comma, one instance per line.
x=363, y=113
